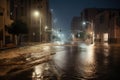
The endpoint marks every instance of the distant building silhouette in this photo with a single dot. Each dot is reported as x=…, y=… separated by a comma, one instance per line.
x=75, y=24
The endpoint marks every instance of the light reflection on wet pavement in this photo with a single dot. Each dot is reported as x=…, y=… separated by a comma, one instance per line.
x=75, y=62
x=43, y=71
x=89, y=62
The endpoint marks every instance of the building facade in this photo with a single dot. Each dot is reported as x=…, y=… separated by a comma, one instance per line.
x=114, y=30
x=36, y=14
x=102, y=24
x=5, y=21
x=107, y=27
x=87, y=21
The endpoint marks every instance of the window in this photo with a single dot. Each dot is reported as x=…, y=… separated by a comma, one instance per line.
x=110, y=15
x=41, y=6
x=118, y=21
x=101, y=18
x=105, y=36
x=22, y=11
x=1, y=13
x=113, y=14
x=119, y=13
x=22, y=2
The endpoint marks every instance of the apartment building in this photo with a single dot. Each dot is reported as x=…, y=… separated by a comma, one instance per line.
x=5, y=21
x=36, y=14
x=107, y=27
x=102, y=24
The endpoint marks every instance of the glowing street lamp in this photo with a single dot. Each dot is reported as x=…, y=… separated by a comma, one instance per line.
x=37, y=17
x=36, y=13
x=84, y=23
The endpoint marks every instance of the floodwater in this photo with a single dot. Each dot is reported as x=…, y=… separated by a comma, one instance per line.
x=76, y=62
x=89, y=62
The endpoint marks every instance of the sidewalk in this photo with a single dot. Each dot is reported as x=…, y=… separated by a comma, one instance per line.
x=12, y=46
x=32, y=48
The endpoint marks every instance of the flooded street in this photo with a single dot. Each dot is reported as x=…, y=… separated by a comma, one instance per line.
x=72, y=62
x=89, y=62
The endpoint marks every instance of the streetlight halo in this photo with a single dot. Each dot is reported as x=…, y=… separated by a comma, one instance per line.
x=84, y=23
x=36, y=13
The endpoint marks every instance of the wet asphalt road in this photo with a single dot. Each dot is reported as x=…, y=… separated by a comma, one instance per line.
x=75, y=62
x=92, y=62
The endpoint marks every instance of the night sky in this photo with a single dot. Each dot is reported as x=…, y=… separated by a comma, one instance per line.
x=64, y=10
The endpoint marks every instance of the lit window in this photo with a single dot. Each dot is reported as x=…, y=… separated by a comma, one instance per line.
x=105, y=36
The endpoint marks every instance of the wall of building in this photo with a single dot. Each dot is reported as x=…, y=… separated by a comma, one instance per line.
x=105, y=22
x=25, y=11
x=5, y=21
x=87, y=16
x=101, y=25
x=114, y=30
x=106, y=28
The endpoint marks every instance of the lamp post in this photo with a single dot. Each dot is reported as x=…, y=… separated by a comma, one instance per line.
x=46, y=27
x=90, y=30
x=37, y=15
x=34, y=36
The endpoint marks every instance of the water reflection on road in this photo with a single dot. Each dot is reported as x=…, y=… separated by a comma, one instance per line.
x=43, y=71
x=76, y=62
x=89, y=62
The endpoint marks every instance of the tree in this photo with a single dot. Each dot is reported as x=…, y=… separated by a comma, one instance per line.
x=18, y=28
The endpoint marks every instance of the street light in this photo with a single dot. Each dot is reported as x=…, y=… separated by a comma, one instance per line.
x=34, y=36
x=91, y=29
x=46, y=27
x=36, y=14
x=85, y=22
